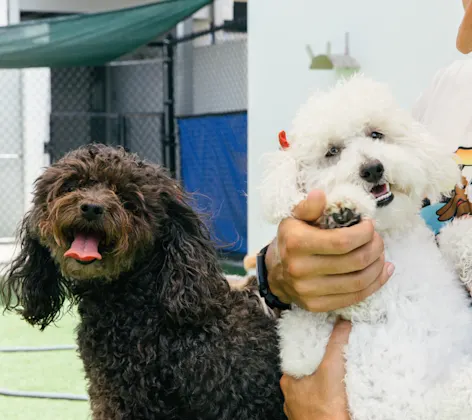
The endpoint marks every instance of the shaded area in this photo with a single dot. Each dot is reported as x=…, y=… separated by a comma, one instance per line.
x=90, y=39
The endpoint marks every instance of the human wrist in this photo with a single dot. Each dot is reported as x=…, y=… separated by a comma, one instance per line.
x=344, y=415
x=275, y=275
x=338, y=412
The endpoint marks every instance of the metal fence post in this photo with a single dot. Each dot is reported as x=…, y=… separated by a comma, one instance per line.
x=122, y=132
x=169, y=106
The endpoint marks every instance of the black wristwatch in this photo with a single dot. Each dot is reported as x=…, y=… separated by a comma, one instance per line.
x=264, y=290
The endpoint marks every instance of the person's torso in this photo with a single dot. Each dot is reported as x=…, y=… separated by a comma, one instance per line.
x=446, y=110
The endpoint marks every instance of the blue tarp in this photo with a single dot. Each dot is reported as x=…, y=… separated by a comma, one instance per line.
x=214, y=166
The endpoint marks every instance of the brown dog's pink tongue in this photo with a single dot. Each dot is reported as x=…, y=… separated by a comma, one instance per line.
x=84, y=248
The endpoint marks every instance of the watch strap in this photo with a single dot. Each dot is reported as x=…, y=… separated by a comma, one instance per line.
x=261, y=273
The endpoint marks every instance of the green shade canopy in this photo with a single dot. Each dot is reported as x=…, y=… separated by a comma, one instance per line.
x=90, y=39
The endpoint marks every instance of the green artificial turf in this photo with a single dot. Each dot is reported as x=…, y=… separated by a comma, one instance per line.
x=59, y=371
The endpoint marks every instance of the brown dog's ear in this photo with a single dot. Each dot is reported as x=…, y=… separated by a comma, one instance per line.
x=33, y=285
x=191, y=281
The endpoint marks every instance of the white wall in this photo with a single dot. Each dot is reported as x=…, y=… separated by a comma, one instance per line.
x=402, y=43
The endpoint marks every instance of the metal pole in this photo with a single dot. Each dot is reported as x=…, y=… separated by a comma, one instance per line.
x=20, y=349
x=239, y=26
x=46, y=395
x=122, y=132
x=169, y=106
x=212, y=22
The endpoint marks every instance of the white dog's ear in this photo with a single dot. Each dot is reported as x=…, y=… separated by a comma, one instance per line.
x=279, y=189
x=444, y=180
x=441, y=168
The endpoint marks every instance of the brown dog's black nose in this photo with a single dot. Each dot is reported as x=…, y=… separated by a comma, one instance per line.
x=372, y=171
x=91, y=211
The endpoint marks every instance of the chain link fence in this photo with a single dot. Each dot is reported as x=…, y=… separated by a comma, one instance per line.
x=11, y=161
x=117, y=104
x=215, y=78
x=134, y=102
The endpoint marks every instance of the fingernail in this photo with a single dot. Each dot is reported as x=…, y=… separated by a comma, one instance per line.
x=390, y=269
x=314, y=194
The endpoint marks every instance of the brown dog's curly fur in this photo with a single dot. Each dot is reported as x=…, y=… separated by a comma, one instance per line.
x=161, y=335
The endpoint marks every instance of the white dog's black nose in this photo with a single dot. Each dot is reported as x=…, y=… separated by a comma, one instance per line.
x=372, y=171
x=91, y=211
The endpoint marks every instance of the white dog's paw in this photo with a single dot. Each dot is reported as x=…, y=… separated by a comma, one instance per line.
x=339, y=214
x=303, y=339
x=346, y=206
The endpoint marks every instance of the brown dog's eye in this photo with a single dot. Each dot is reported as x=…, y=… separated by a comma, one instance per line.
x=68, y=187
x=128, y=205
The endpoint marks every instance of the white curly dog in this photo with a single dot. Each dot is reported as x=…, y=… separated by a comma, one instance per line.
x=409, y=355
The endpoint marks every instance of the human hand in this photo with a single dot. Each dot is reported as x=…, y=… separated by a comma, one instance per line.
x=322, y=395
x=323, y=270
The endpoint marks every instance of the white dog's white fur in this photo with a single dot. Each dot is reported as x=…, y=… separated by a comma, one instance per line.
x=455, y=242
x=410, y=349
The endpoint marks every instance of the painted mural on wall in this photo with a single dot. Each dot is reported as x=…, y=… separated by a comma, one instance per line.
x=343, y=64
x=457, y=204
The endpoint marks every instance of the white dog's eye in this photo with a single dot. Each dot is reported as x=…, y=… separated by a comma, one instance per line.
x=376, y=135
x=333, y=151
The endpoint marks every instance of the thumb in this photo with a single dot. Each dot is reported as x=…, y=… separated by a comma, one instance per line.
x=312, y=207
x=334, y=355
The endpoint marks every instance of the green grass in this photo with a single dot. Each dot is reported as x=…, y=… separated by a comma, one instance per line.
x=59, y=371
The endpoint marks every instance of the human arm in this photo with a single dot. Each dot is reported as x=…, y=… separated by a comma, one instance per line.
x=322, y=395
